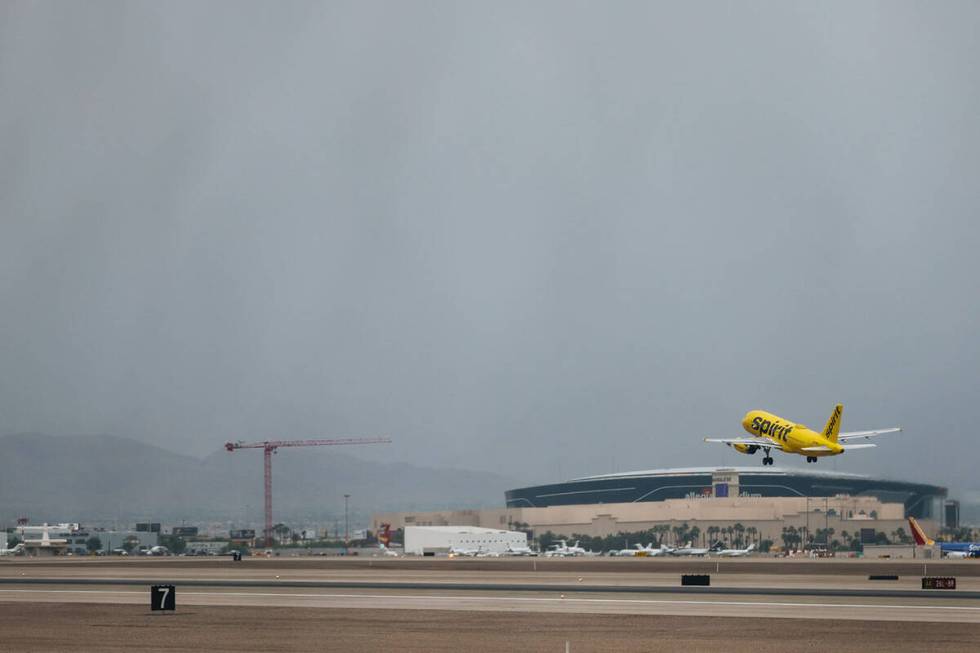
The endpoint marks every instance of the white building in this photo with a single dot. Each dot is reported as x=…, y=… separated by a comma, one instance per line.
x=420, y=540
x=207, y=547
x=111, y=540
x=54, y=531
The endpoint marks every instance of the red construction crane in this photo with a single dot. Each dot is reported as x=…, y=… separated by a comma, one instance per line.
x=269, y=447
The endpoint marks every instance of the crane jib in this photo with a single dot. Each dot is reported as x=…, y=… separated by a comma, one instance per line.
x=269, y=447
x=275, y=444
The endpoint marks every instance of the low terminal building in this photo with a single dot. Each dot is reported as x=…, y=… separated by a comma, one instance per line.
x=423, y=540
x=75, y=538
x=762, y=501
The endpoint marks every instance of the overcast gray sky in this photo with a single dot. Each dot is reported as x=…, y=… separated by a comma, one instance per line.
x=549, y=238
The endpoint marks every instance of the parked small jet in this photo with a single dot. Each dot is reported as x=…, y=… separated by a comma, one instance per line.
x=772, y=432
x=519, y=551
x=45, y=541
x=644, y=551
x=690, y=551
x=734, y=553
x=627, y=553
x=637, y=550
x=662, y=550
x=563, y=550
x=15, y=550
x=948, y=549
x=458, y=551
x=386, y=551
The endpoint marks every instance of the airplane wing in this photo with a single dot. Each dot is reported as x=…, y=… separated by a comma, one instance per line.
x=761, y=442
x=846, y=447
x=852, y=435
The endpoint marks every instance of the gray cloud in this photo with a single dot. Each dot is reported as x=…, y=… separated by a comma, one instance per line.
x=556, y=238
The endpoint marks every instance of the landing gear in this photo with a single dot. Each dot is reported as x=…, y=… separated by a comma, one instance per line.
x=768, y=459
x=811, y=459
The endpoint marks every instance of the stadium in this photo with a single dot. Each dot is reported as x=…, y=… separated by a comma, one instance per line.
x=920, y=500
x=768, y=500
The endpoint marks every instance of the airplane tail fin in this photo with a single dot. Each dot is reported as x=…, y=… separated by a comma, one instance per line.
x=920, y=536
x=833, y=424
x=384, y=534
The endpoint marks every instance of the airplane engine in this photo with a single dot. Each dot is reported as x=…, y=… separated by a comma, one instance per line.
x=746, y=448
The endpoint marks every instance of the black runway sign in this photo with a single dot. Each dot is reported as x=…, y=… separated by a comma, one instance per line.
x=163, y=597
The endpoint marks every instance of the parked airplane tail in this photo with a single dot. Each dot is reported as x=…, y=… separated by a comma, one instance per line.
x=384, y=534
x=920, y=536
x=833, y=424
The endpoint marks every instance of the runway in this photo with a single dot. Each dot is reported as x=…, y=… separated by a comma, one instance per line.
x=567, y=577
x=747, y=607
x=871, y=608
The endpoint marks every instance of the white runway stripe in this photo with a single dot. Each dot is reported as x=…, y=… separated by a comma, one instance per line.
x=521, y=599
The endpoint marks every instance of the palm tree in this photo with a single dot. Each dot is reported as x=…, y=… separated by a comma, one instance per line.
x=695, y=534
x=753, y=533
x=739, y=532
x=900, y=536
x=830, y=536
x=791, y=537
x=712, y=534
x=681, y=534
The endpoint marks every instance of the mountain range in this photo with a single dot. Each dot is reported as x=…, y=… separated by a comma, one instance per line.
x=104, y=478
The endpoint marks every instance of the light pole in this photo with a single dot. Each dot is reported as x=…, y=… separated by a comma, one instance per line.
x=346, y=526
x=826, y=521
x=807, y=534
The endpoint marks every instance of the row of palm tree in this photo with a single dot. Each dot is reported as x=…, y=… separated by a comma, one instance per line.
x=793, y=538
x=735, y=535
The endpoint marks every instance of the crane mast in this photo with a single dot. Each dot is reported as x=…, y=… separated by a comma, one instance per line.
x=269, y=447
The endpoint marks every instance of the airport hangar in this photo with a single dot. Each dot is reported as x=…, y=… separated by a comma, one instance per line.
x=767, y=499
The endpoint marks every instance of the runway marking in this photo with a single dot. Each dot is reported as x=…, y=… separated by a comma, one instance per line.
x=515, y=599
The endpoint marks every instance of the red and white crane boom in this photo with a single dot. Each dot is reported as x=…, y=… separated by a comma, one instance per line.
x=269, y=447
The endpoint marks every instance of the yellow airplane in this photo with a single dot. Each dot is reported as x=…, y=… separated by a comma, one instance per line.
x=773, y=432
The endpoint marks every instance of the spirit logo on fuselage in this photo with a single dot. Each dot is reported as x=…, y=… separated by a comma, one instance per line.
x=775, y=430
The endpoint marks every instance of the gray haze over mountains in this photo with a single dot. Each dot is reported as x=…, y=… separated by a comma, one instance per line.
x=541, y=239
x=112, y=479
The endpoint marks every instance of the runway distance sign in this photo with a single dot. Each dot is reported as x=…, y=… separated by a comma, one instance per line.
x=938, y=583
x=163, y=597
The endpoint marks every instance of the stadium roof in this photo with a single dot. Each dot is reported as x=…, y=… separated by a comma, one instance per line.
x=686, y=471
